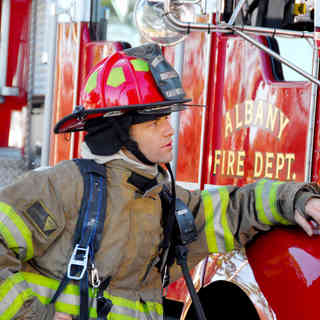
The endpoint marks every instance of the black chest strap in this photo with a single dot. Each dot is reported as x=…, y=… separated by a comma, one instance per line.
x=88, y=232
x=179, y=230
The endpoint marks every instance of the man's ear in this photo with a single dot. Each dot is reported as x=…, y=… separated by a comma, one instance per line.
x=130, y=131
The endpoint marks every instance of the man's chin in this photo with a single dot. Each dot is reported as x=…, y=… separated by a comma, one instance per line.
x=165, y=160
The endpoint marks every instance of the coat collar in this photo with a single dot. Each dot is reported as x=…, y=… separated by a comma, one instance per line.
x=144, y=181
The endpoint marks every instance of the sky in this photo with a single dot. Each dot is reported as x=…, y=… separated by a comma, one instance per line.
x=299, y=52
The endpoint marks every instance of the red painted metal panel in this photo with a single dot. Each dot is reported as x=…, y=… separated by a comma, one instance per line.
x=316, y=143
x=286, y=262
x=316, y=150
x=67, y=46
x=193, y=80
x=18, y=63
x=191, y=119
x=17, y=72
x=258, y=127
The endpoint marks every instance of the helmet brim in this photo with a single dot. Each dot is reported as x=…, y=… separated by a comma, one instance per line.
x=76, y=121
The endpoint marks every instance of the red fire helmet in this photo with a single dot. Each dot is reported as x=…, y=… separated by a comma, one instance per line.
x=137, y=79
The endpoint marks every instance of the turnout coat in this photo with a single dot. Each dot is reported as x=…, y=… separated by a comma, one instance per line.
x=38, y=215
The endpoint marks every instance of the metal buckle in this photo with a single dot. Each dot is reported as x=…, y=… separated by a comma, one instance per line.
x=79, y=259
x=80, y=112
x=95, y=280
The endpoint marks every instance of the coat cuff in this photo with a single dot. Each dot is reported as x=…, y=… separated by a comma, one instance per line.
x=294, y=196
x=301, y=199
x=35, y=310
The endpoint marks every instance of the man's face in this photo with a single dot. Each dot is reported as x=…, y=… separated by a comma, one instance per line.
x=154, y=139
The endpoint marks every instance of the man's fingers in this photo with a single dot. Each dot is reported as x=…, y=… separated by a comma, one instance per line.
x=303, y=223
x=312, y=209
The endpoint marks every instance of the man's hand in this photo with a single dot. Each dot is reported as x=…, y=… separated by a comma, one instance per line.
x=312, y=209
x=61, y=316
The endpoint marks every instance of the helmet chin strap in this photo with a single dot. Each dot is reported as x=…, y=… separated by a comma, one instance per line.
x=132, y=146
x=129, y=144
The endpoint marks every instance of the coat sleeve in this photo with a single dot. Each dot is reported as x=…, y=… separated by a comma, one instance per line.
x=227, y=217
x=32, y=216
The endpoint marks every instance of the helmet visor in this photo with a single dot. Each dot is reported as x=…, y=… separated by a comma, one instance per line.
x=77, y=120
x=162, y=109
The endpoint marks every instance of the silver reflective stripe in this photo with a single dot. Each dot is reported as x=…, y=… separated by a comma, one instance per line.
x=174, y=92
x=266, y=201
x=15, y=232
x=17, y=242
x=118, y=311
x=14, y=289
x=145, y=111
x=168, y=75
x=157, y=60
x=218, y=229
x=48, y=293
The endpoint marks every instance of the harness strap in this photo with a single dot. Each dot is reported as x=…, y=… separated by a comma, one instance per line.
x=169, y=223
x=104, y=305
x=84, y=297
x=93, y=204
x=88, y=232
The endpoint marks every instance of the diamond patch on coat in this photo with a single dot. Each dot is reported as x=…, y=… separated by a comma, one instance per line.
x=41, y=218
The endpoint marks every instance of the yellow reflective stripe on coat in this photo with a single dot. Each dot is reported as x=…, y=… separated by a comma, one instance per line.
x=273, y=205
x=218, y=233
x=266, y=203
x=14, y=291
x=209, y=226
x=136, y=305
x=20, y=287
x=15, y=232
x=228, y=236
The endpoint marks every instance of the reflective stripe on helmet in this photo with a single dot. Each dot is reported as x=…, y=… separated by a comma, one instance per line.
x=20, y=287
x=140, y=65
x=15, y=232
x=156, y=61
x=218, y=233
x=168, y=75
x=266, y=203
x=91, y=82
x=174, y=92
x=116, y=77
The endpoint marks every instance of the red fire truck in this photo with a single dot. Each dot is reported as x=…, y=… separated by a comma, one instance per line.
x=256, y=123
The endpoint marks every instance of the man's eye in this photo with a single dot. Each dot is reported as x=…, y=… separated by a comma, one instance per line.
x=152, y=124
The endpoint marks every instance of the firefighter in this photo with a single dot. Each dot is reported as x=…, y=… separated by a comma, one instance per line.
x=126, y=103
